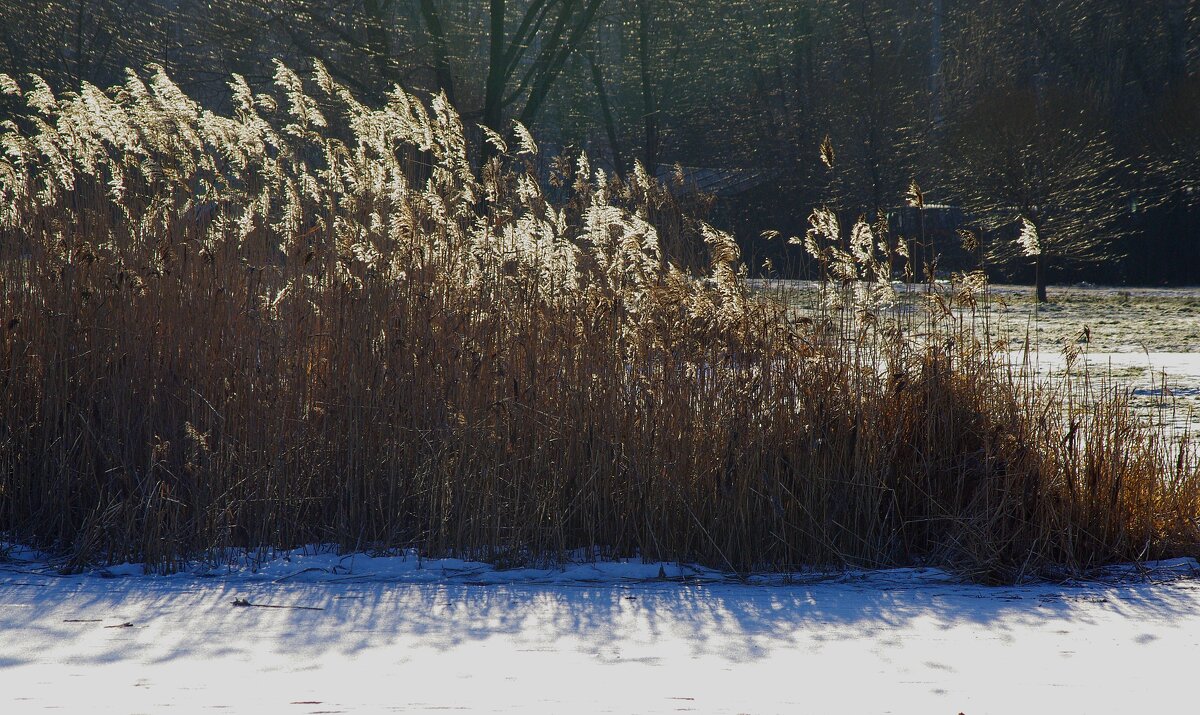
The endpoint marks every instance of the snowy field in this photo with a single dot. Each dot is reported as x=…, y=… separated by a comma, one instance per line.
x=1143, y=340
x=320, y=633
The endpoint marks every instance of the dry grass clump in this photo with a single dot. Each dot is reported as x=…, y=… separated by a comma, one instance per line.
x=316, y=321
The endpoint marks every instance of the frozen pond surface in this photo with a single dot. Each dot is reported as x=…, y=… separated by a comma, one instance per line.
x=335, y=635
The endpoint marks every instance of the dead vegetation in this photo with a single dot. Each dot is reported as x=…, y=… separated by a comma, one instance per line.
x=316, y=321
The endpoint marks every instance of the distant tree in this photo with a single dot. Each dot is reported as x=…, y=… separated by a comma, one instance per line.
x=68, y=42
x=1045, y=181
x=528, y=46
x=646, y=20
x=364, y=43
x=1173, y=145
x=965, y=97
x=883, y=77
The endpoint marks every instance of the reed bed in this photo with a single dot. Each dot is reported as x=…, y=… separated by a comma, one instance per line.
x=315, y=321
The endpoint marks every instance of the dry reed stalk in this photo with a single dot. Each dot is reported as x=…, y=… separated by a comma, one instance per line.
x=315, y=321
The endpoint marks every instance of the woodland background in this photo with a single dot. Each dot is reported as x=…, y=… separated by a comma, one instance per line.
x=1080, y=115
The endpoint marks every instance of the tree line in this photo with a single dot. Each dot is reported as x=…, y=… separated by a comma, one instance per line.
x=1071, y=124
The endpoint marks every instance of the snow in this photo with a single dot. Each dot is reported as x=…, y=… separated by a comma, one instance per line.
x=361, y=634
x=1176, y=365
x=1163, y=387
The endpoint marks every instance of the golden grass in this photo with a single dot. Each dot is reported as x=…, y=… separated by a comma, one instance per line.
x=316, y=321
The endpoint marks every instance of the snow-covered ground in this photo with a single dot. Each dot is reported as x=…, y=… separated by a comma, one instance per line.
x=1144, y=340
x=326, y=634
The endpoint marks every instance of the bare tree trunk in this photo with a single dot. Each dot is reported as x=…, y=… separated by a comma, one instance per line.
x=441, y=49
x=1039, y=278
x=610, y=124
x=79, y=18
x=566, y=40
x=936, y=81
x=493, y=100
x=506, y=55
x=379, y=44
x=1176, y=39
x=649, y=102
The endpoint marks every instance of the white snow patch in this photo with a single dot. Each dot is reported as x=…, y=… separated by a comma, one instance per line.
x=319, y=632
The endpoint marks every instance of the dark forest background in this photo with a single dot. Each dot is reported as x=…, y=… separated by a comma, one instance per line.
x=1081, y=117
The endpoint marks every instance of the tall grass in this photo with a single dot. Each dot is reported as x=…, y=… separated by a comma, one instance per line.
x=316, y=321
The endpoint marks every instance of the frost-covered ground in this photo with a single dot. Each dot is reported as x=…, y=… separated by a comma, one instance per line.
x=329, y=634
x=1144, y=340
x=1120, y=319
